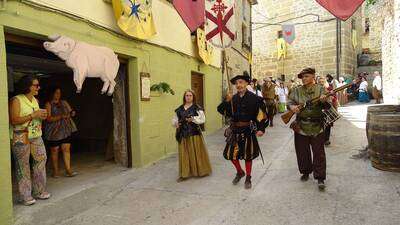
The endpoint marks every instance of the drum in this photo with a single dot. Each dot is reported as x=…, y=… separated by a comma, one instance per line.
x=331, y=115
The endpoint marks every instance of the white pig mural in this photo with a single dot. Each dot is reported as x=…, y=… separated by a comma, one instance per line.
x=86, y=61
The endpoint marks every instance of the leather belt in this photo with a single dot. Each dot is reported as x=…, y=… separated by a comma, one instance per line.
x=241, y=124
x=311, y=119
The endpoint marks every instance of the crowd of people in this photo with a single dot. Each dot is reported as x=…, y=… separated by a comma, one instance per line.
x=29, y=125
x=250, y=111
x=254, y=107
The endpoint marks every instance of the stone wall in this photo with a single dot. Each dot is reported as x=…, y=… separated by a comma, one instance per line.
x=315, y=43
x=391, y=51
x=238, y=55
x=373, y=39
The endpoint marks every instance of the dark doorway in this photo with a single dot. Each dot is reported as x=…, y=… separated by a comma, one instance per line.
x=103, y=137
x=198, y=88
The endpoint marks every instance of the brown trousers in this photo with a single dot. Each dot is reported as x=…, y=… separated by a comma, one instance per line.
x=271, y=109
x=307, y=164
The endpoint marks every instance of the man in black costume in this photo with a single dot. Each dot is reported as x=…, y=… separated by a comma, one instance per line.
x=247, y=121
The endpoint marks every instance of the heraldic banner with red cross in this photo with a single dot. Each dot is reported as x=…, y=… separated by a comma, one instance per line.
x=220, y=22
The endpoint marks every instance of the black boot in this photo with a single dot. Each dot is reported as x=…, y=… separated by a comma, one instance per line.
x=321, y=185
x=247, y=183
x=238, y=177
x=304, y=177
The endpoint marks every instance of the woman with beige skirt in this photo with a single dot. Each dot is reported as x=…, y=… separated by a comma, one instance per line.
x=193, y=156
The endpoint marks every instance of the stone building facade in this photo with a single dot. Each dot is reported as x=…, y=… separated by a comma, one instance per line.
x=238, y=55
x=384, y=44
x=315, y=43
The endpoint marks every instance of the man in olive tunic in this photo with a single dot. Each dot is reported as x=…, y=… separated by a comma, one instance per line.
x=308, y=127
x=247, y=122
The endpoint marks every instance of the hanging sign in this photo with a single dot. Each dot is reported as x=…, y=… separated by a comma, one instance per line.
x=205, y=49
x=135, y=18
x=289, y=33
x=281, y=48
x=342, y=9
x=191, y=12
x=220, y=22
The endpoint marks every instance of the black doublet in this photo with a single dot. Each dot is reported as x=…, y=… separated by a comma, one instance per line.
x=245, y=109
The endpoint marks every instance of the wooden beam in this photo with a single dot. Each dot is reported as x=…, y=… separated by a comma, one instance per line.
x=32, y=42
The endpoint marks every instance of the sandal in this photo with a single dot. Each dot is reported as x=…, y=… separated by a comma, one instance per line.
x=73, y=174
x=181, y=179
x=29, y=202
x=44, y=196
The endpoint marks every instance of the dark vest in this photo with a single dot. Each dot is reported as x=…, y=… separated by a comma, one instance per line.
x=188, y=129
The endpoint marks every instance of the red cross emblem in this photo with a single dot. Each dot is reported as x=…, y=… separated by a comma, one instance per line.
x=220, y=20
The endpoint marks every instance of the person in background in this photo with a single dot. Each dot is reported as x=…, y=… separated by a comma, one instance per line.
x=254, y=88
x=323, y=82
x=332, y=84
x=58, y=130
x=363, y=90
x=342, y=95
x=292, y=85
x=193, y=155
x=377, y=87
x=270, y=96
x=283, y=94
x=27, y=144
x=332, y=81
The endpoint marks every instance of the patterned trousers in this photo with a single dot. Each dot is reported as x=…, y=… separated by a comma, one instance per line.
x=22, y=154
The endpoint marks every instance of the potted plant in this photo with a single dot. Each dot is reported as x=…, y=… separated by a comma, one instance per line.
x=161, y=88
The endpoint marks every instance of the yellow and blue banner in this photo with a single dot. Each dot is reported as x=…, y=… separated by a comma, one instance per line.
x=135, y=17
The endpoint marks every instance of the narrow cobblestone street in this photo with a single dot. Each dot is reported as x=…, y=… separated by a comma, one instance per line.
x=356, y=193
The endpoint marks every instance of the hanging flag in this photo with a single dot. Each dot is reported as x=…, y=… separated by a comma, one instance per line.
x=206, y=50
x=220, y=22
x=135, y=18
x=288, y=33
x=354, y=38
x=342, y=9
x=191, y=12
x=250, y=58
x=281, y=47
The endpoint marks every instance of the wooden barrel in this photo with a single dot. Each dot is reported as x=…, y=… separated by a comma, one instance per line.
x=384, y=146
x=380, y=109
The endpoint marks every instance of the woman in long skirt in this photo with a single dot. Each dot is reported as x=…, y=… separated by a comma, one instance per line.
x=283, y=94
x=193, y=156
x=363, y=95
x=342, y=95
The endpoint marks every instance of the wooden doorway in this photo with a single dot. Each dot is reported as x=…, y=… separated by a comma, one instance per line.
x=198, y=88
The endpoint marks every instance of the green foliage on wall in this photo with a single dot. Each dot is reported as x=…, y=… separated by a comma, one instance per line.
x=162, y=87
x=371, y=2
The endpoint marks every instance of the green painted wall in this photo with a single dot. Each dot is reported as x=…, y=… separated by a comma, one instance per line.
x=152, y=134
x=5, y=164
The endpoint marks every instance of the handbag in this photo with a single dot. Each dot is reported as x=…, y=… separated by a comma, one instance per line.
x=21, y=137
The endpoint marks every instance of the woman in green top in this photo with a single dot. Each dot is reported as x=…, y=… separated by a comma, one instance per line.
x=25, y=115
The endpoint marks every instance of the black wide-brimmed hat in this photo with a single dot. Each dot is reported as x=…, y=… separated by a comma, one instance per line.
x=244, y=76
x=306, y=71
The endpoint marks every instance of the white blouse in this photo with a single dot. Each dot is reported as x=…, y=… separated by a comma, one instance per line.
x=363, y=86
x=200, y=119
x=282, y=93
